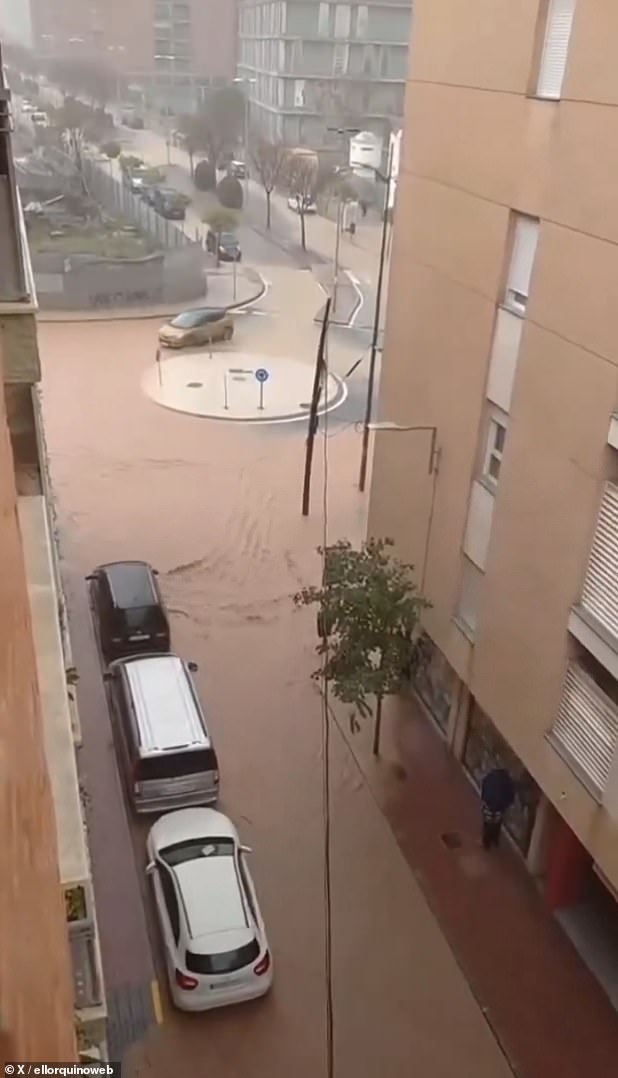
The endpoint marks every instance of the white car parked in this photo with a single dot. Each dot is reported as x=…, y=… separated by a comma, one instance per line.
x=215, y=943
x=298, y=202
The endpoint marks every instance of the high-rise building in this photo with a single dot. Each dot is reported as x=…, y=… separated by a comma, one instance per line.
x=15, y=22
x=50, y=968
x=170, y=47
x=502, y=334
x=309, y=66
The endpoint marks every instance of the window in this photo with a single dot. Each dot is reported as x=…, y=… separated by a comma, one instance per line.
x=299, y=93
x=340, y=59
x=362, y=20
x=343, y=18
x=223, y=961
x=469, y=595
x=171, y=902
x=555, y=48
x=525, y=239
x=323, y=19
x=496, y=437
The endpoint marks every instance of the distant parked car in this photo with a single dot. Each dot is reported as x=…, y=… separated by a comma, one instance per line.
x=128, y=609
x=169, y=203
x=200, y=326
x=214, y=938
x=39, y=119
x=238, y=169
x=135, y=179
x=147, y=194
x=27, y=106
x=229, y=247
x=302, y=203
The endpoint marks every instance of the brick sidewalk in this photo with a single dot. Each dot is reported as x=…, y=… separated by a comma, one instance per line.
x=547, y=1011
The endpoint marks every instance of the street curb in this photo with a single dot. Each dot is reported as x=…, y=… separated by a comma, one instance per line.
x=143, y=314
x=336, y=320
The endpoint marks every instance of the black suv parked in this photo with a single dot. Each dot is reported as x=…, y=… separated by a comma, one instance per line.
x=128, y=609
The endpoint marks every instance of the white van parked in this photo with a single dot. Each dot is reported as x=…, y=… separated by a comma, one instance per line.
x=167, y=752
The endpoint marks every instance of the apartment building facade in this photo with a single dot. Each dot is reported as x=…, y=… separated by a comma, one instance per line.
x=172, y=48
x=502, y=333
x=310, y=66
x=52, y=999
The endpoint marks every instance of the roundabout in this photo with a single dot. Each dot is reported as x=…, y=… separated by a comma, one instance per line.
x=240, y=387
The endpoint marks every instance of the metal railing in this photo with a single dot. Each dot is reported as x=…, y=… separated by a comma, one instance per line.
x=118, y=199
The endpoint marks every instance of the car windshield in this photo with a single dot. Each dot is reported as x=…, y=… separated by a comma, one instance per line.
x=225, y=962
x=190, y=319
x=192, y=849
x=228, y=239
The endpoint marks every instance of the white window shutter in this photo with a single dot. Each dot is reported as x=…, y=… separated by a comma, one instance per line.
x=600, y=591
x=524, y=249
x=555, y=48
x=586, y=727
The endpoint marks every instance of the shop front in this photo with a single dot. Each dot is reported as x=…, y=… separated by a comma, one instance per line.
x=434, y=681
x=485, y=749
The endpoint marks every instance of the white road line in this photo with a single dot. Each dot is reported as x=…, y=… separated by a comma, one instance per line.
x=361, y=299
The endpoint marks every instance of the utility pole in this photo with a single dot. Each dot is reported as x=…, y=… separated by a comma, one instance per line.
x=320, y=370
x=362, y=477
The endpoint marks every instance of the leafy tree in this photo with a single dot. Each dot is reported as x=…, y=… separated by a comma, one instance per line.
x=111, y=150
x=129, y=161
x=269, y=159
x=221, y=219
x=205, y=176
x=229, y=193
x=302, y=174
x=369, y=609
x=216, y=126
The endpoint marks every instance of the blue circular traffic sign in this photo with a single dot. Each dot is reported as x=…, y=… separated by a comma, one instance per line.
x=262, y=375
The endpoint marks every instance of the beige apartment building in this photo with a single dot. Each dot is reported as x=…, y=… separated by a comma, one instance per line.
x=502, y=332
x=52, y=1000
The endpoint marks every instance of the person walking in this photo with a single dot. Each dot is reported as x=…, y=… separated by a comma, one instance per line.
x=497, y=796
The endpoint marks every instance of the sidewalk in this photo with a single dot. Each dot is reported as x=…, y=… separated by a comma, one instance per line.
x=546, y=1010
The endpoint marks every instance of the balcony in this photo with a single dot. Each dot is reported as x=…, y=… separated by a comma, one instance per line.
x=59, y=728
x=594, y=620
x=18, y=302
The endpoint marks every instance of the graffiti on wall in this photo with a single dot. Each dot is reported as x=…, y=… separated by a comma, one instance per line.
x=123, y=298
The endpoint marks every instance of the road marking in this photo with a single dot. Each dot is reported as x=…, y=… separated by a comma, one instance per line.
x=155, y=992
x=361, y=299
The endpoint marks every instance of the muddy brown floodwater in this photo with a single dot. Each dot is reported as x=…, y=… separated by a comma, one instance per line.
x=215, y=507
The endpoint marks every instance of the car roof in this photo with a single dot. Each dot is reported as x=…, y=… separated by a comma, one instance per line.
x=165, y=704
x=222, y=922
x=131, y=583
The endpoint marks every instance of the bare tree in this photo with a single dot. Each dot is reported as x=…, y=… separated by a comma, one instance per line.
x=269, y=159
x=302, y=173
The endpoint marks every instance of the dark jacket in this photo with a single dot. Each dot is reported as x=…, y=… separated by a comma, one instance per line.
x=498, y=790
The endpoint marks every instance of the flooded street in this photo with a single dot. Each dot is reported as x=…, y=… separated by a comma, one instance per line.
x=215, y=507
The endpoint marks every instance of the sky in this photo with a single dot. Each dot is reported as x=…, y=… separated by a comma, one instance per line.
x=15, y=20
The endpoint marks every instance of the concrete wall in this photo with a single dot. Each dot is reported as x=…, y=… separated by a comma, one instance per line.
x=85, y=283
x=36, y=986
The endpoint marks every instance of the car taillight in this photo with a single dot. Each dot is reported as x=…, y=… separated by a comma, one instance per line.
x=216, y=778
x=161, y=636
x=263, y=965
x=184, y=981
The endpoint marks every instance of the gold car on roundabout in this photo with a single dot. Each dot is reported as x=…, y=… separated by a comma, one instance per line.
x=203, y=325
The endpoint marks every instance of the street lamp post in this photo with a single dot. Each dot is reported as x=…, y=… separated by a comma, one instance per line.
x=362, y=476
